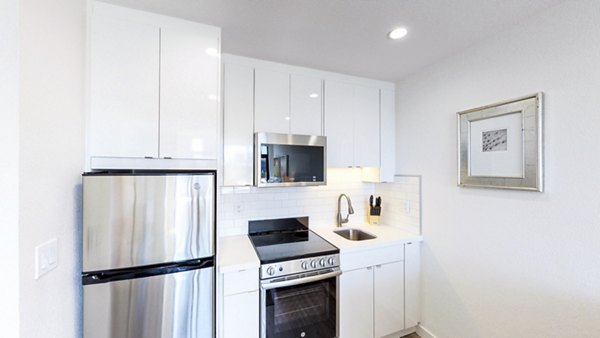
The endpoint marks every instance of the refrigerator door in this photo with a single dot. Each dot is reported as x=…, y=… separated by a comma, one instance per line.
x=172, y=305
x=142, y=219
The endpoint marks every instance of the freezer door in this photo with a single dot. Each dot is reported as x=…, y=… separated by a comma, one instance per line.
x=172, y=305
x=136, y=220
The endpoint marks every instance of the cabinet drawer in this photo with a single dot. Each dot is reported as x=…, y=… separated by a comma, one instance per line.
x=361, y=259
x=241, y=281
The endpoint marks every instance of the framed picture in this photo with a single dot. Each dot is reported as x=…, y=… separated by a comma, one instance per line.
x=500, y=145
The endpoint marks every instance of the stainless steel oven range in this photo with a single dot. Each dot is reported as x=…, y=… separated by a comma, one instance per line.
x=299, y=280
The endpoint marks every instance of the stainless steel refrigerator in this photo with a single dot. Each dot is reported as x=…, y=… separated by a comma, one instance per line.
x=148, y=254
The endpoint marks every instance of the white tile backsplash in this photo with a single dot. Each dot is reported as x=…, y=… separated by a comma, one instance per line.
x=401, y=202
x=239, y=205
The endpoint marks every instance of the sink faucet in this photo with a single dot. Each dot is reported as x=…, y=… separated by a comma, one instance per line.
x=340, y=220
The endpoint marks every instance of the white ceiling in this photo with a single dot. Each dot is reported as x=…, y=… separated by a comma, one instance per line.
x=349, y=36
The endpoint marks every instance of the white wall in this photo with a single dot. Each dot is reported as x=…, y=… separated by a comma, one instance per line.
x=508, y=263
x=9, y=167
x=52, y=36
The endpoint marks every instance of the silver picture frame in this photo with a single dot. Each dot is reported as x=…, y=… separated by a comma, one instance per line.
x=501, y=145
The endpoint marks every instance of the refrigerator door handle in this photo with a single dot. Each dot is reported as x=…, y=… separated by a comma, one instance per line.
x=97, y=277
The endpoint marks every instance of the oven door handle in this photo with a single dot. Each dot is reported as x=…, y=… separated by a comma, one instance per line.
x=292, y=282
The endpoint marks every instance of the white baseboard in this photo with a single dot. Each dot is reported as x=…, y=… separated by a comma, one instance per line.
x=424, y=333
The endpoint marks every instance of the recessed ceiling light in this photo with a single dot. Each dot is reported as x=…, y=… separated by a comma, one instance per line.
x=313, y=95
x=397, y=33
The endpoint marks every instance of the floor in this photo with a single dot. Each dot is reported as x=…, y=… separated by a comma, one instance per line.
x=412, y=335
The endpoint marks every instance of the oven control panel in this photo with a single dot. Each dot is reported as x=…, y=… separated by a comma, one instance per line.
x=299, y=265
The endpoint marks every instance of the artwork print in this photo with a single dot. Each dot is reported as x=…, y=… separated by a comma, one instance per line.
x=500, y=145
x=494, y=140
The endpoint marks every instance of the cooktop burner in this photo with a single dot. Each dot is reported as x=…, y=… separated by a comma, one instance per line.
x=278, y=240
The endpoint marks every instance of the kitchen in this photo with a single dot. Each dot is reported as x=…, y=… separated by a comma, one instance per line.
x=529, y=280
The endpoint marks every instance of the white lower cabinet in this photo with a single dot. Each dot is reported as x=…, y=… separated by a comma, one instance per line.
x=412, y=283
x=239, y=315
x=379, y=298
x=356, y=303
x=372, y=301
x=388, y=313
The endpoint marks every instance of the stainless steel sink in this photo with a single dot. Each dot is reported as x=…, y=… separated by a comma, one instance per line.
x=354, y=234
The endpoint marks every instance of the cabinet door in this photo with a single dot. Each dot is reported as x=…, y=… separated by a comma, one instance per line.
x=412, y=282
x=240, y=315
x=387, y=136
x=272, y=101
x=389, y=298
x=189, y=91
x=306, y=105
x=339, y=124
x=366, y=126
x=356, y=303
x=238, y=128
x=124, y=72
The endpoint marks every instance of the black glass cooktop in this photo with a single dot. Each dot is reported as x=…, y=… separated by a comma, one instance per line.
x=286, y=239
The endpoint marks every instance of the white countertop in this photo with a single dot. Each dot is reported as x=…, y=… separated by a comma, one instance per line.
x=386, y=235
x=236, y=253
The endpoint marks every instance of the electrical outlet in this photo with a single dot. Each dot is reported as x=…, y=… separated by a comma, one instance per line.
x=46, y=257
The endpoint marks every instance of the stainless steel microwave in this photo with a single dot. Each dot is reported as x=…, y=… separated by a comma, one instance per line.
x=289, y=160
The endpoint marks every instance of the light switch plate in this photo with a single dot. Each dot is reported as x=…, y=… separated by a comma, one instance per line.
x=407, y=207
x=46, y=257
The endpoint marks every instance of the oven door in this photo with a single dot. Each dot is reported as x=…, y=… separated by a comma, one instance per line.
x=303, y=306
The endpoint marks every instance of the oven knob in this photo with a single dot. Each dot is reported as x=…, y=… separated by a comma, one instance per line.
x=313, y=264
x=322, y=262
x=304, y=265
x=331, y=261
x=270, y=271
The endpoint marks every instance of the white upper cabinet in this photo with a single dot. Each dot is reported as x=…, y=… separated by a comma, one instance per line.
x=154, y=90
x=351, y=125
x=339, y=124
x=271, y=101
x=238, y=124
x=387, y=136
x=124, y=88
x=355, y=114
x=366, y=126
x=306, y=105
x=189, y=91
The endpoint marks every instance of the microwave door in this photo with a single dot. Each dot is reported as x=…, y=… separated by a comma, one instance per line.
x=290, y=160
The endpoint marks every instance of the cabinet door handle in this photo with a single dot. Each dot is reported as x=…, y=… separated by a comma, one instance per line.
x=369, y=268
x=167, y=157
x=378, y=266
x=148, y=157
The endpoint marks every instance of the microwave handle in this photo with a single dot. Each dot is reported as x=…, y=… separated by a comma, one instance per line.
x=292, y=282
